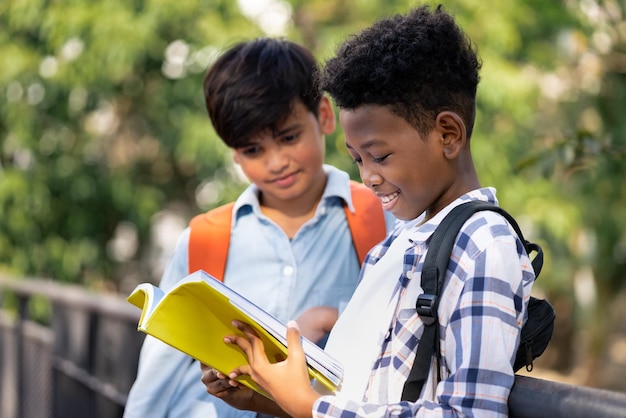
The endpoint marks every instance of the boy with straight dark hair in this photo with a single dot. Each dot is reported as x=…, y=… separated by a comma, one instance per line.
x=406, y=91
x=290, y=247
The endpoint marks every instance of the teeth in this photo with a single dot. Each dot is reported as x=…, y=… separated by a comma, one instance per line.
x=388, y=198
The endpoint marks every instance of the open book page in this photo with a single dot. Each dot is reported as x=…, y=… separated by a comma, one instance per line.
x=196, y=315
x=145, y=296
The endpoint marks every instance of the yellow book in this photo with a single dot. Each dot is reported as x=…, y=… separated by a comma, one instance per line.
x=196, y=315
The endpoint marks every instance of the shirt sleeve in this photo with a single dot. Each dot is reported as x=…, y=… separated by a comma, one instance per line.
x=161, y=367
x=479, y=341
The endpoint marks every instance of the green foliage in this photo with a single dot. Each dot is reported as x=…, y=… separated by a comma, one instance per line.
x=102, y=124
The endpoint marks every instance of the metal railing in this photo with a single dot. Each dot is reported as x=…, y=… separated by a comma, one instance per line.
x=81, y=365
x=539, y=398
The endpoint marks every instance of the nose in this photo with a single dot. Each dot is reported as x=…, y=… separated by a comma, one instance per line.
x=369, y=176
x=277, y=159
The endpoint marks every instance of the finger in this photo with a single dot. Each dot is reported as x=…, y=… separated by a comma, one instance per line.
x=227, y=393
x=257, y=353
x=243, y=370
x=246, y=329
x=208, y=375
x=209, y=371
x=234, y=384
x=295, y=352
x=216, y=383
x=233, y=375
x=294, y=342
x=254, y=351
x=220, y=387
x=241, y=342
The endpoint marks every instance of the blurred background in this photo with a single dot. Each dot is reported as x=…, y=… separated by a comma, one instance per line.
x=106, y=150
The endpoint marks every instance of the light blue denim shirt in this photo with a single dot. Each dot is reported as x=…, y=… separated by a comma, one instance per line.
x=317, y=267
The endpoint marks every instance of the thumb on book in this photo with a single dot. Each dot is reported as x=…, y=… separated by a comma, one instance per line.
x=294, y=338
x=293, y=324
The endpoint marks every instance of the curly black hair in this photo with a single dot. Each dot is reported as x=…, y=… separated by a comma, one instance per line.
x=253, y=85
x=418, y=64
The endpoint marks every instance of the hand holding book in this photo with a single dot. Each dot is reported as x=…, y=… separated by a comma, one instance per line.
x=237, y=395
x=287, y=382
x=196, y=315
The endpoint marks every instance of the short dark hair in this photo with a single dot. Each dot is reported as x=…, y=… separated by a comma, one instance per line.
x=253, y=86
x=418, y=64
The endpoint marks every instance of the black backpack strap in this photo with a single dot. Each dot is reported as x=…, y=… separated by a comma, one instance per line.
x=433, y=274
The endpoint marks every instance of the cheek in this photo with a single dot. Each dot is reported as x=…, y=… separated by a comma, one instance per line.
x=410, y=179
x=311, y=154
x=252, y=169
x=422, y=185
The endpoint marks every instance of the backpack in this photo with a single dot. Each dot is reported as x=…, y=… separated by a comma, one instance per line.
x=209, y=235
x=536, y=332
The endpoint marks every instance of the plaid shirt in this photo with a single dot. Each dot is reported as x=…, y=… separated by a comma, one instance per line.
x=481, y=312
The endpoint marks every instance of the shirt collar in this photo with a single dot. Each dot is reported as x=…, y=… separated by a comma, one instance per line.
x=422, y=232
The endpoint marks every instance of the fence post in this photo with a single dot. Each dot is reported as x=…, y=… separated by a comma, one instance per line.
x=93, y=348
x=19, y=341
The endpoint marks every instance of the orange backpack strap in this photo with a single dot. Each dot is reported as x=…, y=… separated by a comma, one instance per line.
x=209, y=235
x=209, y=238
x=367, y=223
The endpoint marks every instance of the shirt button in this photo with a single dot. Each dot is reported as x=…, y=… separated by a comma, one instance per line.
x=287, y=271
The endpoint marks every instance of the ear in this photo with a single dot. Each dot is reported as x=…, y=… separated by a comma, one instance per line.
x=450, y=128
x=326, y=116
x=235, y=156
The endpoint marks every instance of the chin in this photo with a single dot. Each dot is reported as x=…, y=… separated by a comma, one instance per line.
x=405, y=215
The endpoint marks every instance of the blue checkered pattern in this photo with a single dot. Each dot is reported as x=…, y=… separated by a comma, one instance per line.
x=481, y=312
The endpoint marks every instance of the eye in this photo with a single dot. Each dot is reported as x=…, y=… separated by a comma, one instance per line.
x=291, y=137
x=356, y=159
x=250, y=151
x=380, y=159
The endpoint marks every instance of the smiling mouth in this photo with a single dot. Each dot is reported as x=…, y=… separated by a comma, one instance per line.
x=388, y=198
x=285, y=181
x=290, y=175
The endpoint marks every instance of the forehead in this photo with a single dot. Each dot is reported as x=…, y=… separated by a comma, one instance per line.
x=367, y=117
x=373, y=123
x=297, y=116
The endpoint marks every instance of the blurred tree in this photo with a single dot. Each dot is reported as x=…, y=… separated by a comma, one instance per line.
x=104, y=125
x=580, y=146
x=103, y=130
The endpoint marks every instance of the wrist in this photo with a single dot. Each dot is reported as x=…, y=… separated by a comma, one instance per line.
x=303, y=406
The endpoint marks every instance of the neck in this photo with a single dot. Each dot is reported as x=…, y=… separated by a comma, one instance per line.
x=290, y=215
x=300, y=205
x=465, y=181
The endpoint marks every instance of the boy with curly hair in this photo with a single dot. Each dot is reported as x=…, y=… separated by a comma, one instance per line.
x=406, y=91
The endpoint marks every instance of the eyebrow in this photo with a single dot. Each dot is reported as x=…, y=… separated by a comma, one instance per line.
x=275, y=134
x=293, y=127
x=369, y=144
